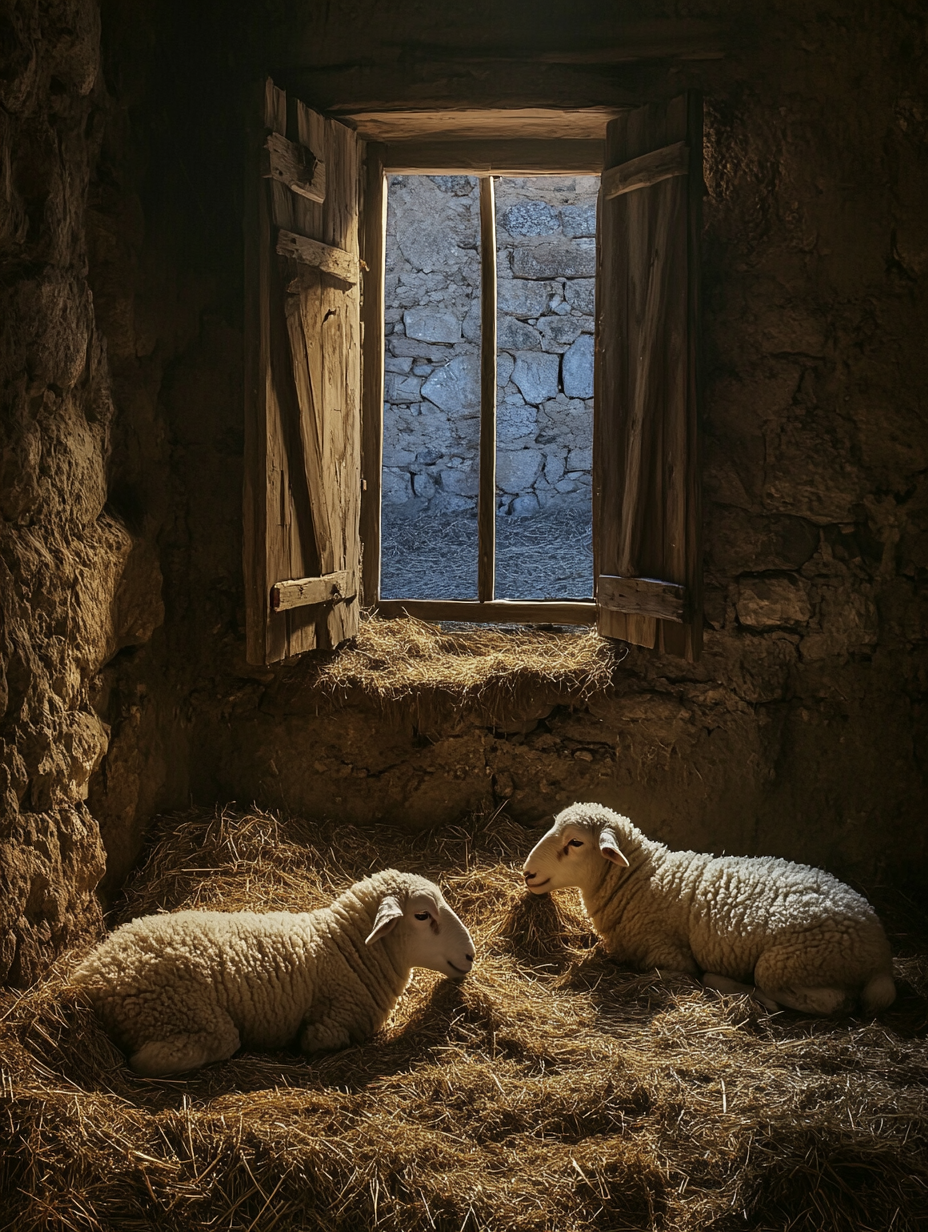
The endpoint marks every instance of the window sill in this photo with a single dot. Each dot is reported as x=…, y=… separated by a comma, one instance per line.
x=496, y=611
x=491, y=667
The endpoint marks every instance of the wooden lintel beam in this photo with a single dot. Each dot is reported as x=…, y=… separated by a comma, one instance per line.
x=300, y=592
x=293, y=165
x=649, y=169
x=323, y=257
x=497, y=611
x=619, y=43
x=540, y=123
x=517, y=156
x=642, y=597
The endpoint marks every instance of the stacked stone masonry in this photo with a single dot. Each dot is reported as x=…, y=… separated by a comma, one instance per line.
x=546, y=255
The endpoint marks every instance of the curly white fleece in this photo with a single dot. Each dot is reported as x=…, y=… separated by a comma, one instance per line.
x=781, y=926
x=164, y=985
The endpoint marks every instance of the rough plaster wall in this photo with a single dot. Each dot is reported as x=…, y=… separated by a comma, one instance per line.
x=71, y=572
x=92, y=318
x=803, y=729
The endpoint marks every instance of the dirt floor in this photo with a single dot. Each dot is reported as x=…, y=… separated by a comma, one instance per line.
x=554, y=1089
x=434, y=556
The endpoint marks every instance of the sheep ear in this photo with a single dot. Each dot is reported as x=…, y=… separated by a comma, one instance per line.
x=609, y=846
x=388, y=913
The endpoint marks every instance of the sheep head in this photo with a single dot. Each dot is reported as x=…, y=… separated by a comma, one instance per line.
x=573, y=850
x=424, y=931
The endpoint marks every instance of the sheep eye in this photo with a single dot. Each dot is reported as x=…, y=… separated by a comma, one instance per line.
x=575, y=842
x=422, y=915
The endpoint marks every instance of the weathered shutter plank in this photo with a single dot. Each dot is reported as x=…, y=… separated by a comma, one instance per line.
x=308, y=128
x=302, y=482
x=646, y=506
x=342, y=371
x=268, y=521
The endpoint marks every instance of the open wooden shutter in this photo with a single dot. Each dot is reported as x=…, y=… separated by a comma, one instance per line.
x=302, y=382
x=646, y=464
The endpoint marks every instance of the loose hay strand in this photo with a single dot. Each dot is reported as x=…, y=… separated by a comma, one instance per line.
x=552, y=1090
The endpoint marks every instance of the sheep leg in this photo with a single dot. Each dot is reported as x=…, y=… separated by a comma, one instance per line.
x=821, y=1001
x=802, y=981
x=177, y=1053
x=670, y=961
x=721, y=983
x=326, y=1035
x=878, y=993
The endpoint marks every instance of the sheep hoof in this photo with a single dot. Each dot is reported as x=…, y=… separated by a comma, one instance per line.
x=772, y=1007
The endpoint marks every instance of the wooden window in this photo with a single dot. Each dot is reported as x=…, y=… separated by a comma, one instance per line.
x=315, y=417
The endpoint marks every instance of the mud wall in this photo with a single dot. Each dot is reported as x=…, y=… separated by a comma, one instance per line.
x=63, y=554
x=802, y=731
x=93, y=314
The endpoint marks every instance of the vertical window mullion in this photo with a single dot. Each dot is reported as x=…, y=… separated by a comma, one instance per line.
x=373, y=251
x=486, y=503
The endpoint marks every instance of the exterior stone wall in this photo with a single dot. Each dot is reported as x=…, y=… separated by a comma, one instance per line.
x=546, y=230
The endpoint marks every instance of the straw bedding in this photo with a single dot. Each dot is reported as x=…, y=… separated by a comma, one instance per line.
x=392, y=660
x=553, y=1091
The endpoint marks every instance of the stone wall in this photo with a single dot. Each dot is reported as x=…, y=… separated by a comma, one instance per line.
x=546, y=230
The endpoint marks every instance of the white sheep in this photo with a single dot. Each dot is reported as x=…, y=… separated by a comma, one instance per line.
x=790, y=934
x=181, y=990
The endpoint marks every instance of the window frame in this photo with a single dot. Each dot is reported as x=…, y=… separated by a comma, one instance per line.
x=483, y=159
x=314, y=373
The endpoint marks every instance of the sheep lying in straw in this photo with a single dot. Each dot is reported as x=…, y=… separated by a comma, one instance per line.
x=800, y=936
x=179, y=991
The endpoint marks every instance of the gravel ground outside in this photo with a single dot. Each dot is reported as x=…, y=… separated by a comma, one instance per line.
x=434, y=556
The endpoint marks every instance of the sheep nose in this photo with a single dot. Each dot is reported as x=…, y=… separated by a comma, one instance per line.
x=529, y=876
x=470, y=958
